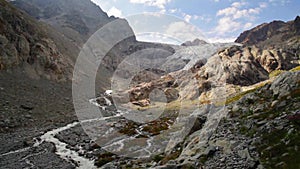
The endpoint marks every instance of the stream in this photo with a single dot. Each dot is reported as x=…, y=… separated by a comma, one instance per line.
x=140, y=144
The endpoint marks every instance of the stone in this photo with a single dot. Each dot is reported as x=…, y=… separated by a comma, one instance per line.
x=281, y=104
x=171, y=94
x=142, y=103
x=244, y=154
x=274, y=103
x=235, y=108
x=28, y=116
x=27, y=107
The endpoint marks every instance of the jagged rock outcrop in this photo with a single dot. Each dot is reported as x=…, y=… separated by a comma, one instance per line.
x=233, y=66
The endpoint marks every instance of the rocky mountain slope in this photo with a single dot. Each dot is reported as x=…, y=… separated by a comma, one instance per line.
x=272, y=34
x=257, y=84
x=33, y=46
x=240, y=65
x=78, y=19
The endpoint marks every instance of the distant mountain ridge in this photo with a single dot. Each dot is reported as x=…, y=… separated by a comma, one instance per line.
x=271, y=33
x=77, y=19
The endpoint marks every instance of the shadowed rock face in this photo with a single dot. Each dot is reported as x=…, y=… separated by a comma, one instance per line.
x=261, y=33
x=77, y=19
x=270, y=33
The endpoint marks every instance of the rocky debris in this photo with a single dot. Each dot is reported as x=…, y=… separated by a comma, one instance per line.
x=277, y=59
x=269, y=128
x=142, y=103
x=144, y=90
x=250, y=137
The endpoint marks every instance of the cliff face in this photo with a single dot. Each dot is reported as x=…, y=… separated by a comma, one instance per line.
x=29, y=44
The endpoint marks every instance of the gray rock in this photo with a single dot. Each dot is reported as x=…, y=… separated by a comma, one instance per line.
x=244, y=154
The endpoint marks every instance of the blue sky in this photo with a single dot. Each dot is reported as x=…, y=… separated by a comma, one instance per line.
x=217, y=20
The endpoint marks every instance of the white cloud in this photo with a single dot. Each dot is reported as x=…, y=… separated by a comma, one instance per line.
x=173, y=10
x=238, y=4
x=205, y=18
x=263, y=5
x=279, y=2
x=157, y=38
x=227, y=11
x=237, y=17
x=183, y=31
x=187, y=17
x=235, y=11
x=227, y=24
x=248, y=25
x=113, y=11
x=157, y=3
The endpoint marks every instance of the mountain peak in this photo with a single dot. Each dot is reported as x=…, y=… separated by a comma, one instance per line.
x=195, y=42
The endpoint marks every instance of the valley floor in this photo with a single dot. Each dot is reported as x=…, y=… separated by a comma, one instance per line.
x=28, y=109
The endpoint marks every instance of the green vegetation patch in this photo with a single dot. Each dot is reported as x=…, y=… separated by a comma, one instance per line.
x=295, y=69
x=238, y=96
x=275, y=73
x=279, y=149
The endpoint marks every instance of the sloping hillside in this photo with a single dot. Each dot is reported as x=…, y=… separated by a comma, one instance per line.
x=33, y=46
